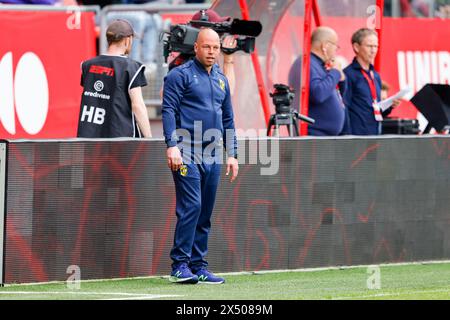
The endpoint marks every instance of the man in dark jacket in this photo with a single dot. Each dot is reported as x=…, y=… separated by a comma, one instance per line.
x=364, y=86
x=327, y=81
x=197, y=104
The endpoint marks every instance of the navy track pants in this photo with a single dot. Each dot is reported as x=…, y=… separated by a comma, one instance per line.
x=195, y=196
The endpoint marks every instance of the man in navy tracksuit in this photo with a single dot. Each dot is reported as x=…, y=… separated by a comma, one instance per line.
x=197, y=114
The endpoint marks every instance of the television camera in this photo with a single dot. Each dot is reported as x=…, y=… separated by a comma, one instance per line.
x=182, y=37
x=282, y=98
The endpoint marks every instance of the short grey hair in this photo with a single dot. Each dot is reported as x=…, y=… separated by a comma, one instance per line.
x=362, y=33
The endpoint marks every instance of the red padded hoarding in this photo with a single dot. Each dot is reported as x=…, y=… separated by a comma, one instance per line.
x=40, y=57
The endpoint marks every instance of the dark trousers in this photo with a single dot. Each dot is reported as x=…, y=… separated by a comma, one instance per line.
x=195, y=194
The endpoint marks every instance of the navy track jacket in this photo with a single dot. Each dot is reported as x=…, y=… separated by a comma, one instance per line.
x=325, y=104
x=192, y=96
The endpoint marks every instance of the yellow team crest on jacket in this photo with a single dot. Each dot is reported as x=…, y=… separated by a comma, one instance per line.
x=183, y=170
x=222, y=85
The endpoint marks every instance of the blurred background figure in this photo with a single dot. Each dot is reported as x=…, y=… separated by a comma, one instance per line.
x=384, y=90
x=414, y=8
x=147, y=27
x=442, y=9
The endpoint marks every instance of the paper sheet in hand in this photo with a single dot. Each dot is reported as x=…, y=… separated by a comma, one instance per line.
x=386, y=103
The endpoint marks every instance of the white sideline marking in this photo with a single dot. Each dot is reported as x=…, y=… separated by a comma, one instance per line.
x=392, y=294
x=397, y=264
x=131, y=296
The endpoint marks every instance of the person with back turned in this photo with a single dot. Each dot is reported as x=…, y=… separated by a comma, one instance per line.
x=112, y=104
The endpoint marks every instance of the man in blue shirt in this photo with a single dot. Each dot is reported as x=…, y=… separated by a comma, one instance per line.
x=326, y=81
x=364, y=86
x=197, y=113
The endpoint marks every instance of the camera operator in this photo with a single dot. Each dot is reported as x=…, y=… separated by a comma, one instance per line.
x=228, y=42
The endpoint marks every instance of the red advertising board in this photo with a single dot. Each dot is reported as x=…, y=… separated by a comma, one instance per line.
x=40, y=57
x=414, y=52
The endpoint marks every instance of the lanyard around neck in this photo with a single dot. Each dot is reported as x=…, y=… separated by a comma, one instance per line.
x=371, y=82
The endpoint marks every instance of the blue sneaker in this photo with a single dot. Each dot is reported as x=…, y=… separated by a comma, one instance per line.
x=207, y=277
x=182, y=274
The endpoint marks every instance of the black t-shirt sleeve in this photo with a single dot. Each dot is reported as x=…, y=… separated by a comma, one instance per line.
x=136, y=74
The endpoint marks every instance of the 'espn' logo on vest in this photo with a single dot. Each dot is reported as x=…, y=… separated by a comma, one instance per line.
x=101, y=70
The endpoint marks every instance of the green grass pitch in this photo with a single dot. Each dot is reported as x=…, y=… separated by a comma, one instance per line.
x=411, y=281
